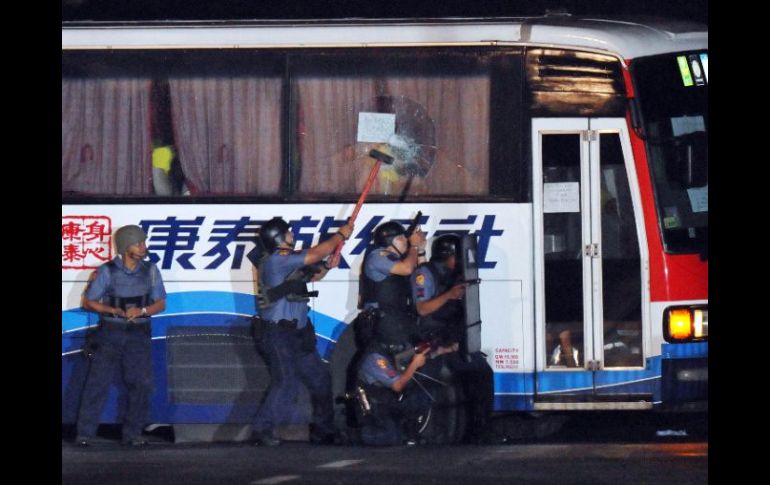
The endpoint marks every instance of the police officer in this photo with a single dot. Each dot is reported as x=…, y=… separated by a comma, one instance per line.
x=389, y=408
x=438, y=292
x=287, y=337
x=386, y=281
x=126, y=292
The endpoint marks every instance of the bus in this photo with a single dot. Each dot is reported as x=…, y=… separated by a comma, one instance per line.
x=574, y=150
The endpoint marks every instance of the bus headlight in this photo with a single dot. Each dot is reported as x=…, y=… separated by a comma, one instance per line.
x=686, y=323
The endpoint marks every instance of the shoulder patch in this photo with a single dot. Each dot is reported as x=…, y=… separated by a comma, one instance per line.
x=284, y=252
x=420, y=279
x=382, y=363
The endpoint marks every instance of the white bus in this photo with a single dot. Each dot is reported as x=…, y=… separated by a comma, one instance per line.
x=575, y=149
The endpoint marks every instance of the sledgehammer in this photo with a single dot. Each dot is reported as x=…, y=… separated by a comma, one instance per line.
x=380, y=158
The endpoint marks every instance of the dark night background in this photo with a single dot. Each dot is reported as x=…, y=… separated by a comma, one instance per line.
x=137, y=10
x=128, y=10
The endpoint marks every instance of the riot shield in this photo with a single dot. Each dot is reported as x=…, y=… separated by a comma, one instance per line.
x=470, y=273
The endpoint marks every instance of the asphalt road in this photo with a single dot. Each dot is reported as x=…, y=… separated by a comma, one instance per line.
x=678, y=463
x=619, y=448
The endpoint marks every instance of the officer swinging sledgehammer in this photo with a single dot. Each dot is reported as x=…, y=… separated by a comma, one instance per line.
x=285, y=336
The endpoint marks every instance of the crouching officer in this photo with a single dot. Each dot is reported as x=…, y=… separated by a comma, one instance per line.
x=389, y=408
x=285, y=336
x=438, y=293
x=126, y=292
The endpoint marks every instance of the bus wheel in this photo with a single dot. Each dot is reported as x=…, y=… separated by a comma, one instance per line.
x=445, y=421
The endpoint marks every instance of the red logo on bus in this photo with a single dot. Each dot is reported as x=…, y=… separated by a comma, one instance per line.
x=86, y=241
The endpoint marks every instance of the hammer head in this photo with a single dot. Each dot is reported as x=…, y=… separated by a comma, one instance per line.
x=383, y=157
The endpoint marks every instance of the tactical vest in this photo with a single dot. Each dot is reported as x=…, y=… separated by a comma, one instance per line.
x=396, y=309
x=128, y=290
x=293, y=287
x=451, y=314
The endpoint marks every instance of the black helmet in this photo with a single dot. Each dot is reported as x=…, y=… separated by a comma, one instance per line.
x=444, y=246
x=273, y=233
x=384, y=234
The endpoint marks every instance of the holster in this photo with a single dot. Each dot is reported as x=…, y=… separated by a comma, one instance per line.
x=258, y=328
x=91, y=343
x=308, y=342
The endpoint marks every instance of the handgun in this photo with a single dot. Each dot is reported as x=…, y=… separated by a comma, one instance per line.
x=413, y=224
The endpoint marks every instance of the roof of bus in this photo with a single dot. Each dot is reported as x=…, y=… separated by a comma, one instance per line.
x=629, y=38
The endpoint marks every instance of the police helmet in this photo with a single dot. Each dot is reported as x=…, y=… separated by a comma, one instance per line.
x=127, y=236
x=445, y=246
x=385, y=233
x=273, y=233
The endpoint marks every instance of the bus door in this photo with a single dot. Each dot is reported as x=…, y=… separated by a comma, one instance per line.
x=588, y=271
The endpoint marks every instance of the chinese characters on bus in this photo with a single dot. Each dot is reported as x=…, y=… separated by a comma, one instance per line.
x=86, y=241
x=190, y=244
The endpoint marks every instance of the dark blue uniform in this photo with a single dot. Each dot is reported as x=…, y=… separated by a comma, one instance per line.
x=288, y=346
x=121, y=345
x=391, y=295
x=393, y=417
x=445, y=326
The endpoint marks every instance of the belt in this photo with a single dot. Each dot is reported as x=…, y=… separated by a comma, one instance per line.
x=129, y=326
x=288, y=324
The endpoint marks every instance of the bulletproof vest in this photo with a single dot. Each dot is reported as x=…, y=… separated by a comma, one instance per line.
x=128, y=290
x=293, y=287
x=393, y=294
x=394, y=299
x=451, y=312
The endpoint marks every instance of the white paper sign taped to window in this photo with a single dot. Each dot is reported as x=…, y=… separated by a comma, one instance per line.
x=687, y=124
x=561, y=197
x=699, y=199
x=375, y=127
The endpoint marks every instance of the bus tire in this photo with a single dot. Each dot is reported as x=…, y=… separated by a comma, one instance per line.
x=446, y=421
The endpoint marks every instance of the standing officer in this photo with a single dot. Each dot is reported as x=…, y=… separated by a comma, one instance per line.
x=386, y=282
x=438, y=300
x=285, y=336
x=126, y=292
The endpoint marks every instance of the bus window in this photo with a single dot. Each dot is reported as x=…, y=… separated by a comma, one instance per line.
x=442, y=111
x=621, y=267
x=249, y=122
x=675, y=125
x=564, y=305
x=228, y=133
x=443, y=107
x=106, y=136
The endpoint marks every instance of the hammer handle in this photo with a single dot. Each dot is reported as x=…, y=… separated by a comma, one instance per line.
x=361, y=198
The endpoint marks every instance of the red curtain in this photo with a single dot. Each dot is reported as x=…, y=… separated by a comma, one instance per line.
x=228, y=134
x=332, y=162
x=106, y=143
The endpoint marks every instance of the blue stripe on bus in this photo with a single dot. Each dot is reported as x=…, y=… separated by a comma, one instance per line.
x=182, y=302
x=689, y=350
x=513, y=390
x=211, y=301
x=514, y=382
x=565, y=381
x=327, y=326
